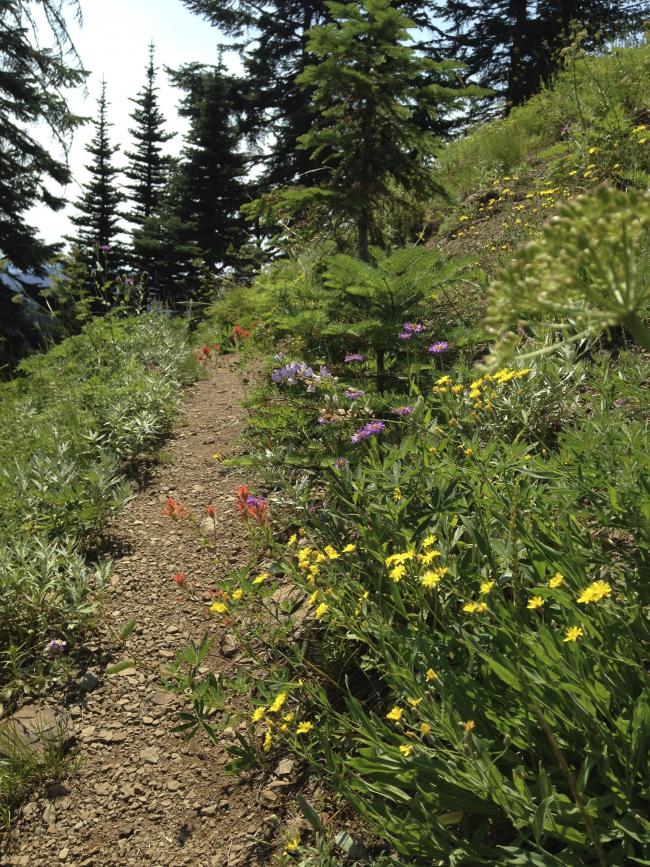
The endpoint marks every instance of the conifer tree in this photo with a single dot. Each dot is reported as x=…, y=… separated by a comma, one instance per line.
x=209, y=187
x=33, y=80
x=98, y=217
x=272, y=36
x=369, y=90
x=513, y=46
x=148, y=168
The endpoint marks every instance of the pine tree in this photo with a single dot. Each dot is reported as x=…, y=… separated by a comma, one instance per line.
x=369, y=90
x=98, y=217
x=33, y=79
x=272, y=36
x=512, y=46
x=148, y=168
x=209, y=188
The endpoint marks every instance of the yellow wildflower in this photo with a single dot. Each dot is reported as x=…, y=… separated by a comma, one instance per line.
x=535, y=602
x=332, y=553
x=429, y=557
x=261, y=578
x=304, y=727
x=397, y=495
x=321, y=558
x=313, y=597
x=268, y=740
x=395, y=714
x=406, y=750
x=292, y=844
x=219, y=608
x=414, y=702
x=468, y=452
x=321, y=611
x=486, y=587
x=349, y=549
x=573, y=633
x=237, y=594
x=596, y=591
x=457, y=389
x=444, y=380
x=398, y=573
x=431, y=675
x=258, y=713
x=293, y=540
x=470, y=725
x=425, y=728
x=556, y=581
x=279, y=701
x=475, y=607
x=432, y=577
x=429, y=541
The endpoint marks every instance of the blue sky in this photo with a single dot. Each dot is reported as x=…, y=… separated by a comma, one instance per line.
x=113, y=43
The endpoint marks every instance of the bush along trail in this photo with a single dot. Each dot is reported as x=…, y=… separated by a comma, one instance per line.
x=140, y=792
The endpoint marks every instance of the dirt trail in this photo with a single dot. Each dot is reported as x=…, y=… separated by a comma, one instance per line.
x=141, y=794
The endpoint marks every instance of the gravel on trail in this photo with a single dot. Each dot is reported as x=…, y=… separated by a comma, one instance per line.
x=141, y=794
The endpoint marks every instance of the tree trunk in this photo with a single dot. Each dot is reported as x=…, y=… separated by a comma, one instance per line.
x=363, y=231
x=517, y=90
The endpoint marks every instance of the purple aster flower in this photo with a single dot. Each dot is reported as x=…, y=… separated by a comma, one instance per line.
x=105, y=248
x=353, y=393
x=373, y=428
x=620, y=401
x=438, y=347
x=351, y=357
x=55, y=647
x=403, y=410
x=341, y=463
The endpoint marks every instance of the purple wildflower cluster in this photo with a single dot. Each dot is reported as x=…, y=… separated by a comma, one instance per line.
x=403, y=410
x=298, y=371
x=439, y=347
x=353, y=357
x=55, y=647
x=256, y=502
x=372, y=429
x=410, y=329
x=353, y=393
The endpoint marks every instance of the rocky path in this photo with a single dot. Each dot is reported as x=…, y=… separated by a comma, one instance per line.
x=141, y=794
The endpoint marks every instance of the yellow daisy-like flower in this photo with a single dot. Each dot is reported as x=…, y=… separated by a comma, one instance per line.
x=425, y=728
x=304, y=727
x=217, y=456
x=219, y=608
x=292, y=844
x=261, y=578
x=431, y=675
x=397, y=573
x=469, y=726
x=268, y=741
x=457, y=389
x=486, y=587
x=432, y=577
x=596, y=591
x=468, y=452
x=414, y=702
x=556, y=581
x=258, y=713
x=395, y=714
x=444, y=380
x=237, y=594
x=313, y=597
x=293, y=540
x=278, y=703
x=288, y=717
x=429, y=557
x=429, y=541
x=535, y=602
x=349, y=549
x=573, y=633
x=406, y=750
x=475, y=607
x=332, y=553
x=321, y=611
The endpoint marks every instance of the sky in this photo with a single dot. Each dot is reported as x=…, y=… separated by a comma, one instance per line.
x=113, y=42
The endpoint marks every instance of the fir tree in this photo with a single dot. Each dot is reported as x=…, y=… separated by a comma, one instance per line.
x=209, y=188
x=98, y=217
x=148, y=168
x=513, y=46
x=33, y=79
x=272, y=36
x=369, y=90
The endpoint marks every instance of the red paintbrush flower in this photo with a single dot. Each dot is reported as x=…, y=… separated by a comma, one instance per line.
x=179, y=578
x=211, y=511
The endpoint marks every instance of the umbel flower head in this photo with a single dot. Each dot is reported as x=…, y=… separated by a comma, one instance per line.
x=588, y=272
